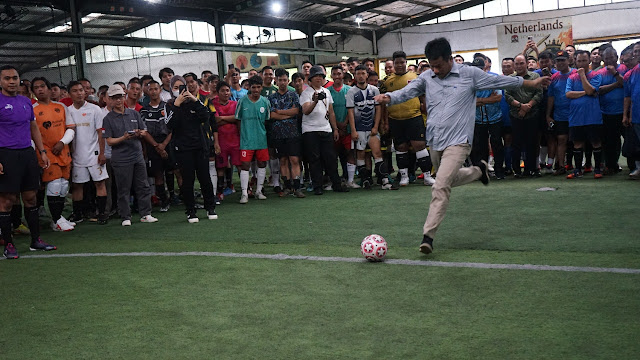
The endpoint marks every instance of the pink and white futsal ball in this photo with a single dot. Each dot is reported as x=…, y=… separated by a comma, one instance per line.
x=374, y=247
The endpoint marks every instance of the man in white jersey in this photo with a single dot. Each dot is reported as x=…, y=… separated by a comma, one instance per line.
x=88, y=152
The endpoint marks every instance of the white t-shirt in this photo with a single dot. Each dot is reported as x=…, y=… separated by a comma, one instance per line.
x=88, y=120
x=318, y=120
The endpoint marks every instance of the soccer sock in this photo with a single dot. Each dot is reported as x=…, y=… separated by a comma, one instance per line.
x=423, y=160
x=404, y=172
x=380, y=167
x=16, y=215
x=244, y=181
x=220, y=184
x=228, y=177
x=507, y=157
x=577, y=157
x=77, y=207
x=40, y=197
x=33, y=222
x=274, y=167
x=56, y=205
x=361, y=169
x=5, y=226
x=213, y=174
x=101, y=203
x=296, y=183
x=287, y=182
x=162, y=194
x=597, y=157
x=168, y=179
x=544, y=151
x=402, y=159
x=550, y=162
x=262, y=173
x=351, y=172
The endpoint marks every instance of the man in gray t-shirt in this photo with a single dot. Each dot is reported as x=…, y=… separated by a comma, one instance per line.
x=123, y=129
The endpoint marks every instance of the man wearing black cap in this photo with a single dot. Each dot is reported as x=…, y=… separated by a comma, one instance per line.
x=319, y=131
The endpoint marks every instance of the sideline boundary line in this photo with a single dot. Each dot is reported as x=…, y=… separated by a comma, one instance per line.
x=472, y=265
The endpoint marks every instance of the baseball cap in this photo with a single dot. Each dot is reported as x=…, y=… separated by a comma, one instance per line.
x=115, y=90
x=478, y=62
x=562, y=55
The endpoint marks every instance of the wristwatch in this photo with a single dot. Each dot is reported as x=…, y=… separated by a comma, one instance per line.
x=43, y=151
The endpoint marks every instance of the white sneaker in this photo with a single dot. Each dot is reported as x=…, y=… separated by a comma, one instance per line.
x=353, y=185
x=165, y=208
x=148, y=219
x=244, y=199
x=67, y=221
x=490, y=168
x=428, y=180
x=61, y=225
x=126, y=222
x=328, y=187
x=635, y=174
x=260, y=196
x=404, y=181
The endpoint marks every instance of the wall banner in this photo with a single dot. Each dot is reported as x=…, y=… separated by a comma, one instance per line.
x=549, y=34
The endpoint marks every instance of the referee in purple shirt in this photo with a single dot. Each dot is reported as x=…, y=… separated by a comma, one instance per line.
x=19, y=168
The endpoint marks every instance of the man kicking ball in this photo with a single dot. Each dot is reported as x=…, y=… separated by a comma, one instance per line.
x=450, y=90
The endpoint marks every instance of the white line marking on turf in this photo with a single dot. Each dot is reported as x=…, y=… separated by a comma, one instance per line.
x=471, y=265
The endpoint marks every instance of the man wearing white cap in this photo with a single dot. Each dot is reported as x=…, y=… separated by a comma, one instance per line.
x=123, y=129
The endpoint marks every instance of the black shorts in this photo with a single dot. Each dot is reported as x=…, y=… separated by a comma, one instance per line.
x=21, y=170
x=590, y=133
x=561, y=128
x=404, y=131
x=156, y=164
x=287, y=147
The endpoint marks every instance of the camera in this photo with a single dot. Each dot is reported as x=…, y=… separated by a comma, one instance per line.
x=321, y=96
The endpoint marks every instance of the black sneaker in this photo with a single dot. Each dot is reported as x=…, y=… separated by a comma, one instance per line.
x=426, y=247
x=103, y=219
x=76, y=218
x=41, y=245
x=484, y=167
x=10, y=251
x=192, y=217
x=339, y=188
x=211, y=214
x=277, y=190
x=318, y=191
x=366, y=183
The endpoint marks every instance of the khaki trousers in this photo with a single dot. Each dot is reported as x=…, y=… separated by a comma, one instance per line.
x=449, y=173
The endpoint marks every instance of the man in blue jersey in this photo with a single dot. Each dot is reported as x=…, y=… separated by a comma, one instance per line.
x=611, y=103
x=557, y=114
x=585, y=118
x=631, y=115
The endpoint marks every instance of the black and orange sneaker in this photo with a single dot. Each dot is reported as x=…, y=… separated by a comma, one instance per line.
x=10, y=251
x=41, y=245
x=575, y=174
x=597, y=174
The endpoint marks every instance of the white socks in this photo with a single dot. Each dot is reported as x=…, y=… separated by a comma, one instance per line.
x=274, y=165
x=213, y=174
x=351, y=172
x=244, y=181
x=262, y=173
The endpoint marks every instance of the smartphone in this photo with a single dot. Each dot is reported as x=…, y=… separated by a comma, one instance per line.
x=182, y=88
x=530, y=38
x=231, y=67
x=131, y=132
x=546, y=72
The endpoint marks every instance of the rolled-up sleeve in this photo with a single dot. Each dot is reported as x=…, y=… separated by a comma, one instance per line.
x=485, y=81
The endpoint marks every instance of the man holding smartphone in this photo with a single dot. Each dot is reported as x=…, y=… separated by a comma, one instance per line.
x=123, y=128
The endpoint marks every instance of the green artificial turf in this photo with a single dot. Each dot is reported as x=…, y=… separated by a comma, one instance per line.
x=213, y=307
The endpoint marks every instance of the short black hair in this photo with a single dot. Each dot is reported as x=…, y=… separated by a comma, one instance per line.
x=479, y=54
x=281, y=72
x=566, y=46
x=102, y=87
x=134, y=80
x=579, y=52
x=371, y=73
x=594, y=49
x=9, y=67
x=165, y=70
x=236, y=70
x=146, y=77
x=222, y=84
x=255, y=80
x=605, y=46
x=265, y=68
x=399, y=54
x=306, y=62
x=40, y=78
x=206, y=72
x=85, y=79
x=546, y=55
x=366, y=60
x=337, y=67
x=54, y=85
x=213, y=78
x=459, y=56
x=508, y=59
x=190, y=74
x=73, y=83
x=360, y=67
x=297, y=76
x=119, y=83
x=353, y=59
x=438, y=48
x=153, y=82
x=627, y=50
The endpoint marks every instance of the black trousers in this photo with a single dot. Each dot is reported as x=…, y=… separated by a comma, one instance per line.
x=525, y=138
x=319, y=152
x=612, y=139
x=194, y=163
x=483, y=133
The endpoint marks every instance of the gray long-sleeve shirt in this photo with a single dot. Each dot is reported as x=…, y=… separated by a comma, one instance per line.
x=451, y=102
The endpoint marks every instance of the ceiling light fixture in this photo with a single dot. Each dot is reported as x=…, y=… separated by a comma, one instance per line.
x=267, y=54
x=276, y=7
x=358, y=19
